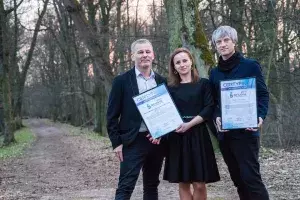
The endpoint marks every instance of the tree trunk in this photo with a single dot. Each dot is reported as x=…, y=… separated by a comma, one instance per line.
x=186, y=30
x=119, y=55
x=100, y=96
x=81, y=77
x=100, y=105
x=4, y=80
x=8, y=117
x=237, y=8
x=14, y=72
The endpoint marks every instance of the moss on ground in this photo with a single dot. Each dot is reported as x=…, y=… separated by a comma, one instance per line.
x=24, y=138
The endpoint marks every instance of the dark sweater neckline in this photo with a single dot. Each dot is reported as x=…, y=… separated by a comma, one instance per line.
x=185, y=83
x=229, y=64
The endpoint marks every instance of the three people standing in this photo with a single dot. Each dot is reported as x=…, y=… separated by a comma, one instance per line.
x=190, y=158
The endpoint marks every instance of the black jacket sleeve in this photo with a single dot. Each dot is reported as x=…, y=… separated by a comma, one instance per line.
x=114, y=112
x=261, y=92
x=217, y=110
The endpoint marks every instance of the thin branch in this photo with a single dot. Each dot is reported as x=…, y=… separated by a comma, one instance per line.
x=29, y=29
x=7, y=12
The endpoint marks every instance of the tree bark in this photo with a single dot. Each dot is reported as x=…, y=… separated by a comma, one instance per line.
x=119, y=55
x=4, y=79
x=237, y=8
x=186, y=30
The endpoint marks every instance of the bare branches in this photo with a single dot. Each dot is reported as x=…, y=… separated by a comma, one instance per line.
x=8, y=11
x=33, y=43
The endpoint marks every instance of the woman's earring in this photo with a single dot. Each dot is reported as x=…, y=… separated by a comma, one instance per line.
x=175, y=72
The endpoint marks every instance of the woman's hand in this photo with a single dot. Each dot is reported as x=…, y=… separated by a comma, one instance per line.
x=219, y=125
x=152, y=140
x=183, y=127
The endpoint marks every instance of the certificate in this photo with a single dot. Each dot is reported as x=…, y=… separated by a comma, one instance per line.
x=158, y=111
x=238, y=103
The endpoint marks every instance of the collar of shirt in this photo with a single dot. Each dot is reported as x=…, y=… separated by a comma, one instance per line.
x=139, y=74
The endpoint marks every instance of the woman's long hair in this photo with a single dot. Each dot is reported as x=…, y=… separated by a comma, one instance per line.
x=174, y=77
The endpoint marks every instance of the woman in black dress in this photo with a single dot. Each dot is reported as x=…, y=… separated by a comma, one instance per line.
x=190, y=159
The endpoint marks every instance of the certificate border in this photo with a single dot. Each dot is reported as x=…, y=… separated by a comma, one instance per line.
x=171, y=99
x=221, y=100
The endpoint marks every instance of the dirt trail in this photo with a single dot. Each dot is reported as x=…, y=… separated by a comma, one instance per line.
x=61, y=166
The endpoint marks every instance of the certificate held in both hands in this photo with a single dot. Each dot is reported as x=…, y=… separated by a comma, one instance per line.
x=158, y=111
x=238, y=104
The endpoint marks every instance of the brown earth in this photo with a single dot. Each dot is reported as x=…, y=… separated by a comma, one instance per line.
x=64, y=164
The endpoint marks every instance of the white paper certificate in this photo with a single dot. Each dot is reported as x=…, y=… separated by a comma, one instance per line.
x=158, y=111
x=238, y=103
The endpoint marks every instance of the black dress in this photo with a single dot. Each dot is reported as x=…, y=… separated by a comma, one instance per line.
x=190, y=156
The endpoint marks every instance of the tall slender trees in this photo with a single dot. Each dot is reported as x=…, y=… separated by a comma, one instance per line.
x=92, y=44
x=21, y=75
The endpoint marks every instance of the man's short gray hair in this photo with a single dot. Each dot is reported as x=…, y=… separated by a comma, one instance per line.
x=139, y=41
x=224, y=31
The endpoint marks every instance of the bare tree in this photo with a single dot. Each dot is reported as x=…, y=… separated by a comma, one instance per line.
x=5, y=78
x=86, y=31
x=21, y=75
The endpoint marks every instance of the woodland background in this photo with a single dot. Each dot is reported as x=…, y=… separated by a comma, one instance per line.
x=58, y=57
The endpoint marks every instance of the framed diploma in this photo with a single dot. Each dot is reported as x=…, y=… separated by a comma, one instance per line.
x=158, y=111
x=238, y=104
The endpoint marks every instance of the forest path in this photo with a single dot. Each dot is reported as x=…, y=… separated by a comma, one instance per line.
x=64, y=166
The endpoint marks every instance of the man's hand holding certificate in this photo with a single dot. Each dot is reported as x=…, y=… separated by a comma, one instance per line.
x=238, y=104
x=158, y=111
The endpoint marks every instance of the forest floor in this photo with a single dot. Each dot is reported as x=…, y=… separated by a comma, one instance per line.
x=64, y=164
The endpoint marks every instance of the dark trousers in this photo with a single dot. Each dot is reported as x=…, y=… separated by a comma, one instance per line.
x=241, y=157
x=141, y=154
